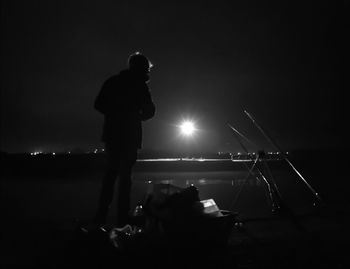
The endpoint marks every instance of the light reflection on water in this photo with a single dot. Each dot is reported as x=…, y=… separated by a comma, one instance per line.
x=77, y=197
x=231, y=190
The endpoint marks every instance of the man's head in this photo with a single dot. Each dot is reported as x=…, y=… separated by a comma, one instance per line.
x=139, y=63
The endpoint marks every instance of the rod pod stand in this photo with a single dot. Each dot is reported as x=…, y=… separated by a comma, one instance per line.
x=274, y=144
x=274, y=195
x=278, y=205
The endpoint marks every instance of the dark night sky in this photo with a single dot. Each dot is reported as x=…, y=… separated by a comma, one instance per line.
x=212, y=59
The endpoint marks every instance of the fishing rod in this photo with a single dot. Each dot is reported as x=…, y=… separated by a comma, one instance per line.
x=274, y=144
x=236, y=132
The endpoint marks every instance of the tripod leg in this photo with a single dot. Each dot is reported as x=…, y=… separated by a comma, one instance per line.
x=275, y=206
x=250, y=172
x=281, y=204
x=275, y=203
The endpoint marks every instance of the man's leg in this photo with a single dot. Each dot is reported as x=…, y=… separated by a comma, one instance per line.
x=124, y=189
x=107, y=188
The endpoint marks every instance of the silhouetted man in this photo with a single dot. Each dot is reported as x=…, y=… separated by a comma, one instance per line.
x=125, y=101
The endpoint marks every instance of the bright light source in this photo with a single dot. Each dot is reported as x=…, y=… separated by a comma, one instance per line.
x=187, y=128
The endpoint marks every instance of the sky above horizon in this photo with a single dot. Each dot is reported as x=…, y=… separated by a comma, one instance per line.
x=212, y=60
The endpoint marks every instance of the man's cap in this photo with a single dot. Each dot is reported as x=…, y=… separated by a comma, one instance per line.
x=138, y=60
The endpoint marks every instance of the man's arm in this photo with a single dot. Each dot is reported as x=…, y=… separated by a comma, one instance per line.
x=102, y=100
x=98, y=105
x=148, y=108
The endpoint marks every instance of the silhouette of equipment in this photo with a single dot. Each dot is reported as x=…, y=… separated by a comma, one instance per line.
x=183, y=217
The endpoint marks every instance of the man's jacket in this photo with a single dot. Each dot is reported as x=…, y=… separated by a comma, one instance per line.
x=125, y=101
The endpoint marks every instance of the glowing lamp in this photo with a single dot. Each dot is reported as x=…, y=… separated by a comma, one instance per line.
x=187, y=128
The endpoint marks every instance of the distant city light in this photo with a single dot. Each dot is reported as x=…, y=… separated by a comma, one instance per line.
x=36, y=153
